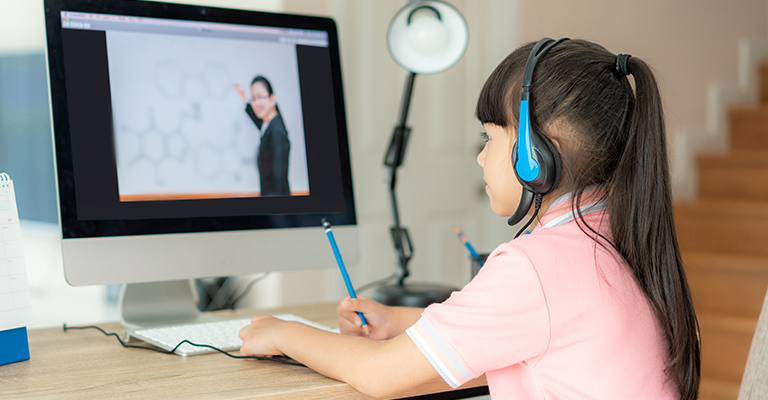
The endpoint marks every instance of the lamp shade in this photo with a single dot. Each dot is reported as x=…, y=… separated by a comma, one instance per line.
x=427, y=37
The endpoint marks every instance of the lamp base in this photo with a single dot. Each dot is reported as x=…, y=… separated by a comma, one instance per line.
x=412, y=294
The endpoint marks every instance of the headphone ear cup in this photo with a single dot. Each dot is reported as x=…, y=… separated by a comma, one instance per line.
x=526, y=185
x=529, y=186
x=549, y=162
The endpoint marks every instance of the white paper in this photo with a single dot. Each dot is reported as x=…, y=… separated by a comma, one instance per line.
x=15, y=301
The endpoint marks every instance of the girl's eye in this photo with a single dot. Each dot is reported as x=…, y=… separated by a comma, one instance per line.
x=485, y=136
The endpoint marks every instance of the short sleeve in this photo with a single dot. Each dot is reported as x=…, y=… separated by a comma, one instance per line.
x=499, y=319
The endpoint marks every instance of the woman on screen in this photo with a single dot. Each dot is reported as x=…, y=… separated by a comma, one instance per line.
x=272, y=156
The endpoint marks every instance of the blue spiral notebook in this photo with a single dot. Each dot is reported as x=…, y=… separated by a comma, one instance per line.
x=15, y=301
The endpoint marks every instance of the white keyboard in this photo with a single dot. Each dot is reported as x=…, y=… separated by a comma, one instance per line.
x=220, y=334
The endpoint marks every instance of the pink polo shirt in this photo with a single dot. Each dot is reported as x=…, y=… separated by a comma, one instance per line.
x=551, y=315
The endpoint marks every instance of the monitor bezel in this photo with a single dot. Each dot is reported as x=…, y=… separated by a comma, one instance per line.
x=74, y=228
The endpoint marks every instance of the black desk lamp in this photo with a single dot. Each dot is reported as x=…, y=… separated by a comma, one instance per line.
x=424, y=37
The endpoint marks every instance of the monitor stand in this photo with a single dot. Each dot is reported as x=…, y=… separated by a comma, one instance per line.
x=149, y=304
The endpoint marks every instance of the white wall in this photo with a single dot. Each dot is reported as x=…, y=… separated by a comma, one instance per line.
x=22, y=29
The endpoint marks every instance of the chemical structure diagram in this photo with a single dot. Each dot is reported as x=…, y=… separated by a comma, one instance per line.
x=182, y=134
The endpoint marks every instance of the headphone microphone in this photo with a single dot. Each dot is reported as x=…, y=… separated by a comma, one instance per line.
x=535, y=160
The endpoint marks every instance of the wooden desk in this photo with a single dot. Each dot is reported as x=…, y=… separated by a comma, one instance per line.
x=88, y=365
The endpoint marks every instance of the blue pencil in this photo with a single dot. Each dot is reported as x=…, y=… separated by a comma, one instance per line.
x=469, y=247
x=344, y=274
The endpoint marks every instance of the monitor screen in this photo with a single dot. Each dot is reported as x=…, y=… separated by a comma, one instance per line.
x=195, y=141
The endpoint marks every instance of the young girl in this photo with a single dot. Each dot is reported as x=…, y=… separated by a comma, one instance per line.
x=593, y=303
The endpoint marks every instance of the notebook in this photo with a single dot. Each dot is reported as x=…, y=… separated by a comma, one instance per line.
x=15, y=301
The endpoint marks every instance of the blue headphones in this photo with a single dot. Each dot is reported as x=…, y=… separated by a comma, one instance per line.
x=536, y=161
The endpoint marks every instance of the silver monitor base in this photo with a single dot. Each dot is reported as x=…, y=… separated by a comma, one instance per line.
x=149, y=304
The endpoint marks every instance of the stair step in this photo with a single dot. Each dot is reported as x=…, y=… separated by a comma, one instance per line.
x=749, y=128
x=715, y=389
x=735, y=159
x=726, y=226
x=723, y=240
x=727, y=283
x=725, y=342
x=739, y=174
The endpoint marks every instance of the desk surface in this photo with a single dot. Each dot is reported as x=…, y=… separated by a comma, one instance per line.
x=87, y=364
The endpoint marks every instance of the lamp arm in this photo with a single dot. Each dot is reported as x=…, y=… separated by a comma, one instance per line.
x=393, y=159
x=396, y=150
x=405, y=104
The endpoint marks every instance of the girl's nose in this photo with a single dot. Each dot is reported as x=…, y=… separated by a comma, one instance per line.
x=481, y=157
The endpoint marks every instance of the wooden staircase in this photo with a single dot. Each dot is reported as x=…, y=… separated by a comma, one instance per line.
x=724, y=241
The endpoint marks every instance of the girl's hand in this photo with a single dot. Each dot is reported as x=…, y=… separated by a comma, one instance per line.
x=240, y=92
x=380, y=318
x=259, y=337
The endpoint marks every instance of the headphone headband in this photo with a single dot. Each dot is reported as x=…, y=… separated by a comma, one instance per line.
x=533, y=58
x=535, y=159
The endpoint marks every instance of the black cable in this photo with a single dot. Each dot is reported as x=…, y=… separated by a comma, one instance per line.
x=538, y=197
x=131, y=346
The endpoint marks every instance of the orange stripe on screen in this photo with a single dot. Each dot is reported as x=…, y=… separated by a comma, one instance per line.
x=194, y=196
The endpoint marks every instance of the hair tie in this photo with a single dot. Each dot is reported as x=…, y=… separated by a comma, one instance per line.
x=621, y=64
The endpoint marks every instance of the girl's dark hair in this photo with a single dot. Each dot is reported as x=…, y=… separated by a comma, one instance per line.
x=611, y=136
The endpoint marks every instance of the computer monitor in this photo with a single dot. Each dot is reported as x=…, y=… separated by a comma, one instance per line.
x=194, y=142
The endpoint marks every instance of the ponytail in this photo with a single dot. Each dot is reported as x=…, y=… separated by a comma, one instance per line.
x=643, y=228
